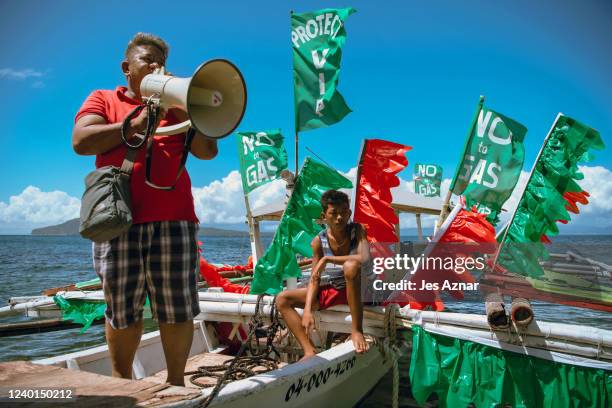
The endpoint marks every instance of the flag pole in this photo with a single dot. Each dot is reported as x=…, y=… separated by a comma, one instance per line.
x=253, y=231
x=449, y=194
x=535, y=163
x=296, y=151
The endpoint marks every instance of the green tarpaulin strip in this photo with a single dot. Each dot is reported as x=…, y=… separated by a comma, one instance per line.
x=462, y=372
x=80, y=311
x=86, y=311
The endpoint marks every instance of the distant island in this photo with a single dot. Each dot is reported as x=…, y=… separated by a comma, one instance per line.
x=72, y=228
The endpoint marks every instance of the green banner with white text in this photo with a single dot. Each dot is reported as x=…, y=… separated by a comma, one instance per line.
x=262, y=157
x=492, y=162
x=427, y=179
x=317, y=40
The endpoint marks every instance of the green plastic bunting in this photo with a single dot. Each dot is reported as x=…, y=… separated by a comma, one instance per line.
x=543, y=204
x=262, y=157
x=297, y=227
x=317, y=40
x=461, y=373
x=427, y=179
x=492, y=162
x=85, y=312
x=80, y=311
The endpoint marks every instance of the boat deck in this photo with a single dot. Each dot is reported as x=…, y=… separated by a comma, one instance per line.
x=90, y=390
x=204, y=359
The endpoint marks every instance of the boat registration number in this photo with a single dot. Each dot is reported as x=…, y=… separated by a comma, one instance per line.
x=317, y=379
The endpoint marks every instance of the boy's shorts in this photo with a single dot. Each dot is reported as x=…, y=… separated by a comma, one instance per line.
x=158, y=259
x=330, y=296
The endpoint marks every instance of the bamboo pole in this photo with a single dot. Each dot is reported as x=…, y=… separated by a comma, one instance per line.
x=40, y=326
x=296, y=152
x=419, y=226
x=253, y=231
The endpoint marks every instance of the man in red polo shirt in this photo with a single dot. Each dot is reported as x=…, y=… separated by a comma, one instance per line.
x=158, y=255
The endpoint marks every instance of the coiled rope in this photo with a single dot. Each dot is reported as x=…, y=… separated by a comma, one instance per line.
x=241, y=367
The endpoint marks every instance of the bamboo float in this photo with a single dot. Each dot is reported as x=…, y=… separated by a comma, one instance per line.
x=22, y=304
x=521, y=312
x=567, y=332
x=340, y=321
x=20, y=308
x=40, y=326
x=224, y=274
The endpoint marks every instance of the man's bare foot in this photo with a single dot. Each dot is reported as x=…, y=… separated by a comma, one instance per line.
x=359, y=342
x=306, y=357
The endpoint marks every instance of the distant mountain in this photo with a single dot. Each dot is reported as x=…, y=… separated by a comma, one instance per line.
x=72, y=228
x=67, y=228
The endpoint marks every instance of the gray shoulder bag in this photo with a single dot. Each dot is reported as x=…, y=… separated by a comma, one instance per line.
x=106, y=204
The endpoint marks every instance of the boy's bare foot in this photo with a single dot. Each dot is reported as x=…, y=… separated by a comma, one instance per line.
x=359, y=342
x=306, y=357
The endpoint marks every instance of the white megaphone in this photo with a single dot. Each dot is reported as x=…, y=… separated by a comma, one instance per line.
x=214, y=98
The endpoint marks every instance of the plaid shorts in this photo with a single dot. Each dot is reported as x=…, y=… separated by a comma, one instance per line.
x=158, y=259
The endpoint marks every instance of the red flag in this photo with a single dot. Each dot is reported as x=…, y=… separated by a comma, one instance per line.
x=380, y=161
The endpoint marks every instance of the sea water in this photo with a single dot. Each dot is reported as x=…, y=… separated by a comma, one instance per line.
x=30, y=264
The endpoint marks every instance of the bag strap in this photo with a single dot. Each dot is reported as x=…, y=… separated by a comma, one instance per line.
x=130, y=155
x=186, y=148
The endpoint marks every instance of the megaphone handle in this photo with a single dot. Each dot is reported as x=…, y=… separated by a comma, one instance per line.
x=173, y=129
x=187, y=146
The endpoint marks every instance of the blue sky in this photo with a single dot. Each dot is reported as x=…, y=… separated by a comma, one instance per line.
x=412, y=72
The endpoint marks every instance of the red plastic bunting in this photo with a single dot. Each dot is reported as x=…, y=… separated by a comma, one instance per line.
x=211, y=275
x=468, y=235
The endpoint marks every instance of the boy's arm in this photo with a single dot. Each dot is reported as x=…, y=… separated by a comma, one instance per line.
x=315, y=274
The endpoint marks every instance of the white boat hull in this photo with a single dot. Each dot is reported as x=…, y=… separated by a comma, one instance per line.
x=336, y=377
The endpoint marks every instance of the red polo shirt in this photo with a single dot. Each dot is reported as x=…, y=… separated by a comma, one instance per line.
x=148, y=204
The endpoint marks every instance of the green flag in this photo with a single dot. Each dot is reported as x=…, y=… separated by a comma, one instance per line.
x=262, y=157
x=297, y=227
x=548, y=195
x=317, y=40
x=427, y=179
x=492, y=162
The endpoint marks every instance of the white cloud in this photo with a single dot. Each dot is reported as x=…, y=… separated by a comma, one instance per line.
x=222, y=201
x=598, y=182
x=20, y=74
x=33, y=207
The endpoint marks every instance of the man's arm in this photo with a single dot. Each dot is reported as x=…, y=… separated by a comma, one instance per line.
x=92, y=135
x=202, y=147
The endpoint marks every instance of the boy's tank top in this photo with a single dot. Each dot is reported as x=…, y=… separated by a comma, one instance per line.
x=334, y=272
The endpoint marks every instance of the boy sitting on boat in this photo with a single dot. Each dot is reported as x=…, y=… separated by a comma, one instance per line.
x=338, y=251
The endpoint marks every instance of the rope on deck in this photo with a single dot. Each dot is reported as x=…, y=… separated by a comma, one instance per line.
x=240, y=366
